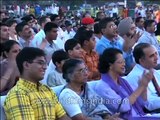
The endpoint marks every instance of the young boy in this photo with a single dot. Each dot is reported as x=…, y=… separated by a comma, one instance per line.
x=73, y=48
x=91, y=58
x=54, y=77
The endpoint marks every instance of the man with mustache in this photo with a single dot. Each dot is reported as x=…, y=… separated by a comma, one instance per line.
x=25, y=34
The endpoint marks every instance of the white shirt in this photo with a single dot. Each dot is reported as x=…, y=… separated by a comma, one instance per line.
x=60, y=38
x=115, y=10
x=54, y=9
x=133, y=79
x=141, y=31
x=38, y=38
x=71, y=102
x=149, y=38
x=15, y=38
x=50, y=67
x=49, y=49
x=68, y=35
x=55, y=78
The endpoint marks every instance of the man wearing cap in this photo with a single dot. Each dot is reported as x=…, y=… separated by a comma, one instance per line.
x=127, y=30
x=88, y=22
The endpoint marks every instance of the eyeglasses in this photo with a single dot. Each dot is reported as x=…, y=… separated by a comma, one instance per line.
x=120, y=61
x=42, y=63
x=83, y=70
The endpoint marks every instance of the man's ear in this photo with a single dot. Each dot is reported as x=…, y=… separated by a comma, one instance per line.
x=70, y=76
x=85, y=42
x=141, y=60
x=57, y=64
x=103, y=30
x=26, y=65
x=70, y=52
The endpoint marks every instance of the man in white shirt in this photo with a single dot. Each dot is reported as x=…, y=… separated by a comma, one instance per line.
x=68, y=33
x=48, y=44
x=149, y=36
x=59, y=41
x=40, y=35
x=146, y=57
x=115, y=11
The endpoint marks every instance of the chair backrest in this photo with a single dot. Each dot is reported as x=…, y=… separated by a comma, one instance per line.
x=58, y=89
x=3, y=116
x=92, y=84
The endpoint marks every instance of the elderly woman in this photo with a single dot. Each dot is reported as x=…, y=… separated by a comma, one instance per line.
x=117, y=90
x=77, y=98
x=9, y=72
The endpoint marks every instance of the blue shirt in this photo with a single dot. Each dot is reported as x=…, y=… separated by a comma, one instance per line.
x=104, y=43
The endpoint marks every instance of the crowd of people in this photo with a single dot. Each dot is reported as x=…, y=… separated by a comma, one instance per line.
x=104, y=67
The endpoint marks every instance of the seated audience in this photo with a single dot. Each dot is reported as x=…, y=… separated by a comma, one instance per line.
x=74, y=50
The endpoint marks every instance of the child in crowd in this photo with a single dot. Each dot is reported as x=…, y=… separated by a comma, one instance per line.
x=55, y=77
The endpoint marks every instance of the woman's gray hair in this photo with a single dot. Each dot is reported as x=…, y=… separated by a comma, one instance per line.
x=69, y=67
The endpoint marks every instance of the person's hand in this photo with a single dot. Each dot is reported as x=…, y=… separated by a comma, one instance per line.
x=114, y=117
x=129, y=41
x=146, y=78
